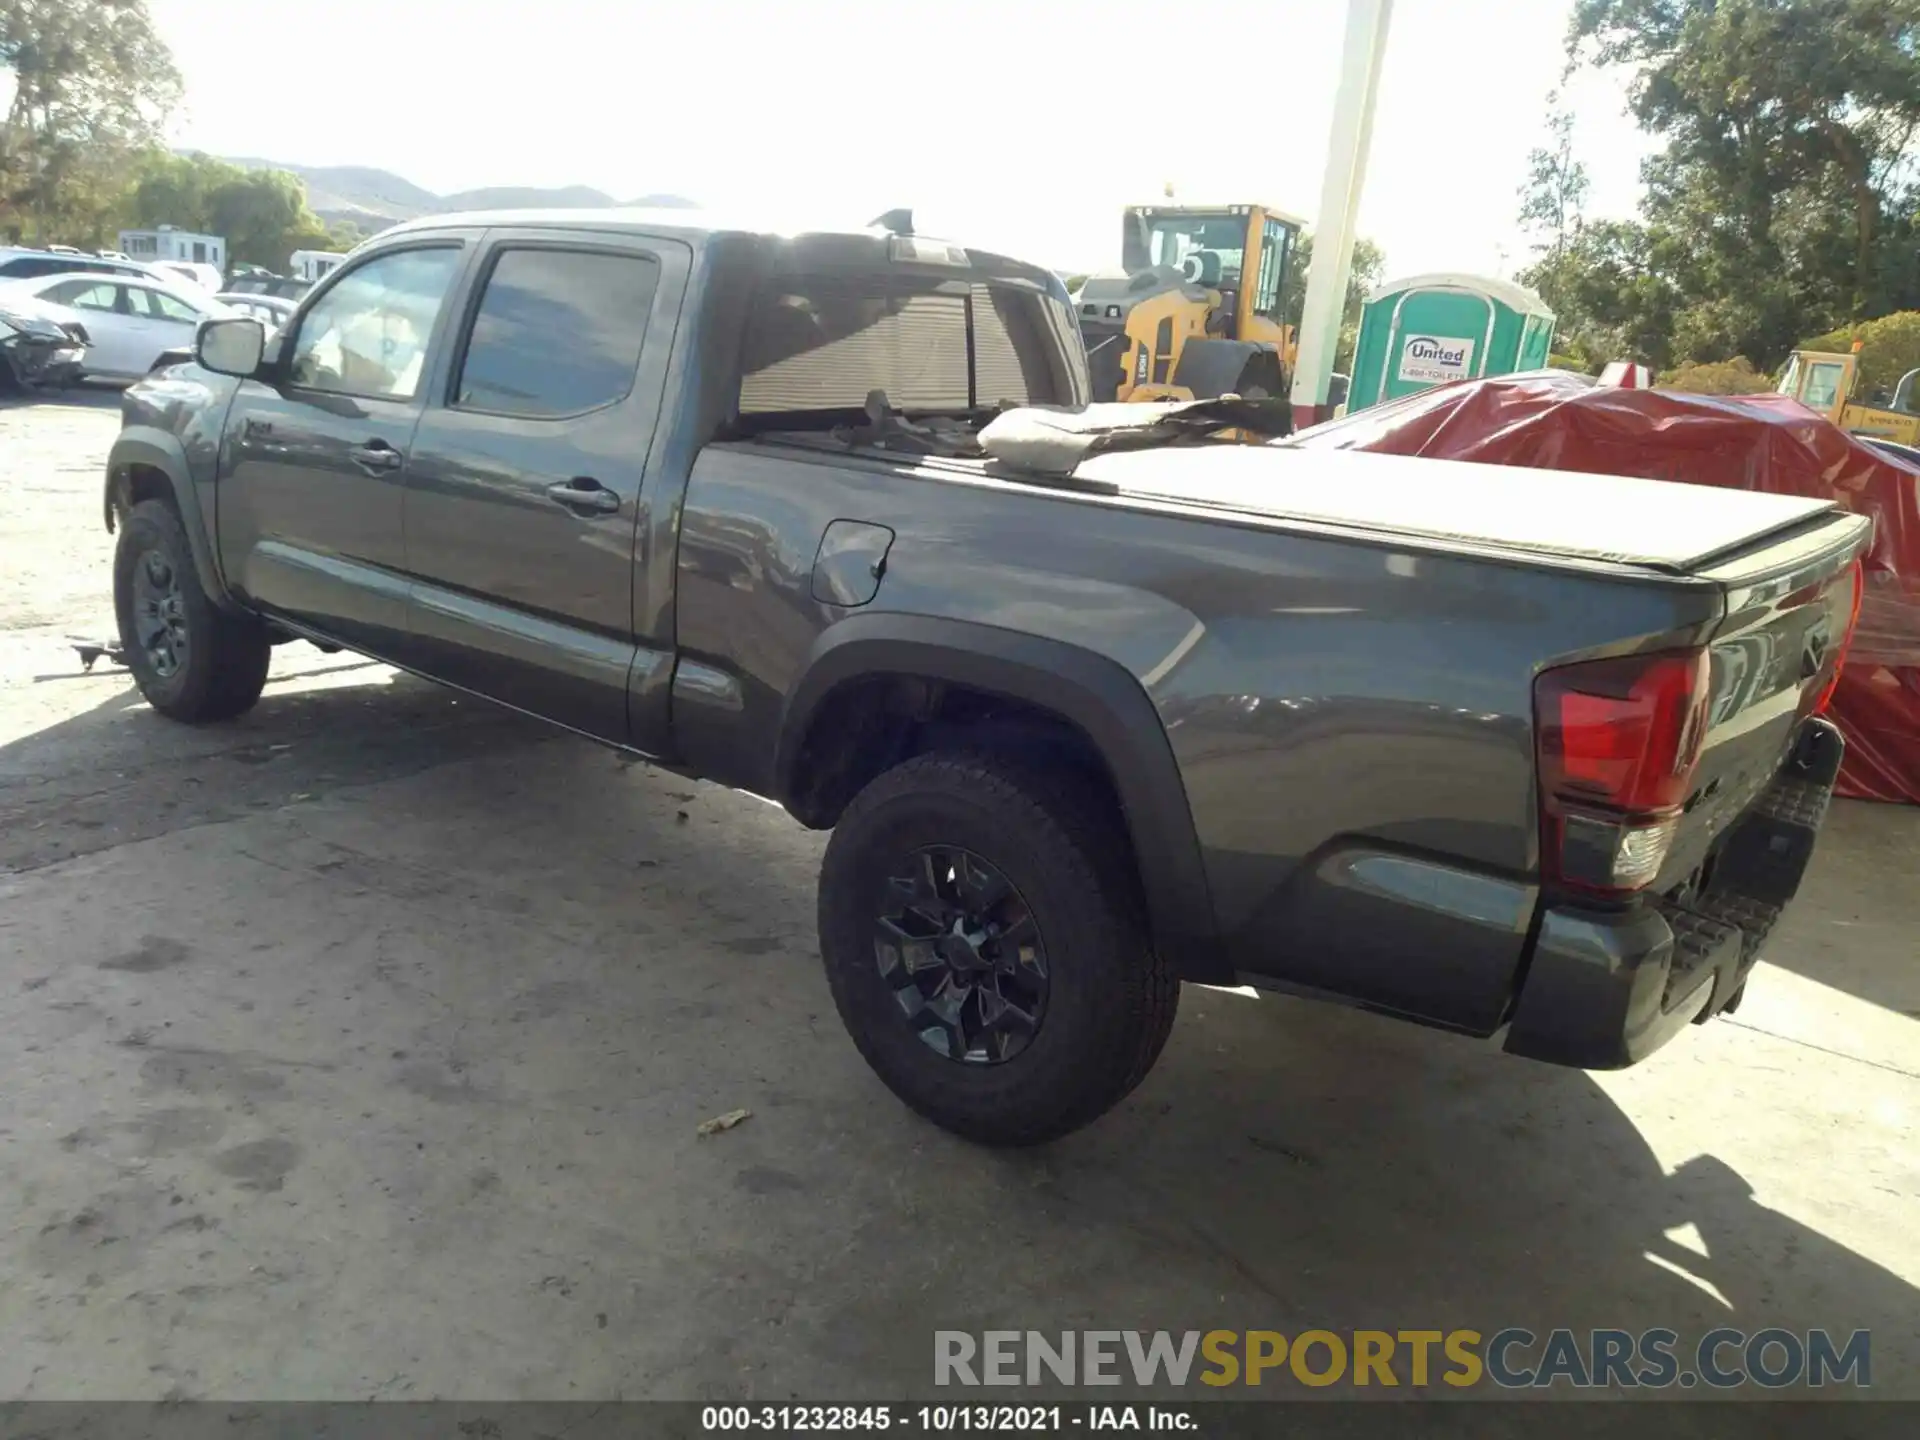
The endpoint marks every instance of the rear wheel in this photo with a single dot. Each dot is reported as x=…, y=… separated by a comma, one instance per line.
x=192, y=661
x=986, y=947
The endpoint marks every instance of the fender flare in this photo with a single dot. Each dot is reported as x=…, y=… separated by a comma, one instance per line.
x=156, y=450
x=1097, y=695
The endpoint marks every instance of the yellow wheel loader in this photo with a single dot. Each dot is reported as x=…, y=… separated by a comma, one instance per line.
x=1197, y=313
x=1824, y=383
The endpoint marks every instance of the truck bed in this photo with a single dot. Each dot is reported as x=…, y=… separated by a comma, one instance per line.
x=1600, y=518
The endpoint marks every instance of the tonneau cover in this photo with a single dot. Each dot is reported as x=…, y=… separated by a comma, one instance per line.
x=1606, y=518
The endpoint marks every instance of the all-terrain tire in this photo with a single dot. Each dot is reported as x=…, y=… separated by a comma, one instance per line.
x=1111, y=1000
x=222, y=667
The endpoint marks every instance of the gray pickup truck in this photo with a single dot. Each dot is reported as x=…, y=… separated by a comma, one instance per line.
x=1530, y=757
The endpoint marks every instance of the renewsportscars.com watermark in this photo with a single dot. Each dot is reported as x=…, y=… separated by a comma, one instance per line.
x=1510, y=1359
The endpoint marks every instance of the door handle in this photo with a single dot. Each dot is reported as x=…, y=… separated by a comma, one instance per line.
x=376, y=456
x=256, y=429
x=584, y=495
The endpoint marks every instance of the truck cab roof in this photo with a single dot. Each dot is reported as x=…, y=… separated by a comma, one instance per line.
x=699, y=228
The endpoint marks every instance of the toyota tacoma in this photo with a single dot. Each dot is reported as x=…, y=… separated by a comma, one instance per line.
x=1092, y=704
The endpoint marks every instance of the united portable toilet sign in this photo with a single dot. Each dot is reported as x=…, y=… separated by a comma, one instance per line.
x=1436, y=359
x=1440, y=329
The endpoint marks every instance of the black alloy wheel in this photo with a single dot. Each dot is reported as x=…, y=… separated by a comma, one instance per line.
x=191, y=659
x=986, y=940
x=958, y=946
x=160, y=614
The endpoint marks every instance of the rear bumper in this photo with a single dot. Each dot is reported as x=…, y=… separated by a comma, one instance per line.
x=1606, y=988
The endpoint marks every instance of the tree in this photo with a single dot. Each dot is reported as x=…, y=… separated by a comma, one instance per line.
x=1369, y=262
x=1613, y=295
x=265, y=218
x=1555, y=193
x=91, y=83
x=1725, y=377
x=1764, y=103
x=1781, y=201
x=173, y=189
x=1552, y=206
x=263, y=214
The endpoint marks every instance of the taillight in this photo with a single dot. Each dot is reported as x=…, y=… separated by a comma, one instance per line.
x=1618, y=741
x=1859, y=581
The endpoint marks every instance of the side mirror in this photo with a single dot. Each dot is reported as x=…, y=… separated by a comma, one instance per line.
x=230, y=346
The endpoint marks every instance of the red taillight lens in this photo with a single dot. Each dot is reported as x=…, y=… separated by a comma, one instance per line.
x=1859, y=581
x=1618, y=741
x=1623, y=733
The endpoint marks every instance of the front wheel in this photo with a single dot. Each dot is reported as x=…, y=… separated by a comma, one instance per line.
x=192, y=661
x=985, y=942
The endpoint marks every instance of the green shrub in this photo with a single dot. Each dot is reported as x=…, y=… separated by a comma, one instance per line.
x=1719, y=377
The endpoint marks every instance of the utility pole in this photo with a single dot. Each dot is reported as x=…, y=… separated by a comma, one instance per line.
x=1364, y=50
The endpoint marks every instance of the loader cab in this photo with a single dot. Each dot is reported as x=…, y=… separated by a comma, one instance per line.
x=1821, y=382
x=1240, y=251
x=1829, y=385
x=1198, y=307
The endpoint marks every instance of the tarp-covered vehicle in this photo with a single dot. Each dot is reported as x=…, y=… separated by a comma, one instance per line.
x=1555, y=421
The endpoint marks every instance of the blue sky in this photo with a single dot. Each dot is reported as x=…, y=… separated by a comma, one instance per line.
x=1018, y=126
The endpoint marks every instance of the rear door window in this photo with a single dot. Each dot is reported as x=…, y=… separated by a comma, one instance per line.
x=156, y=305
x=557, y=332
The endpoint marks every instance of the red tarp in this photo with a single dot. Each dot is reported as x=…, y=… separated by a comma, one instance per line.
x=1556, y=421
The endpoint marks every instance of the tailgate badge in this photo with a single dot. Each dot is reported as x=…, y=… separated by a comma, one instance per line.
x=1813, y=653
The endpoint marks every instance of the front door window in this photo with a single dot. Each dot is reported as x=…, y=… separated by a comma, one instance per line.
x=368, y=334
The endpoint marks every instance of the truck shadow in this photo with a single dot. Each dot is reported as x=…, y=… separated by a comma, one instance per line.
x=1858, y=938
x=116, y=773
x=1351, y=1172
x=1288, y=1166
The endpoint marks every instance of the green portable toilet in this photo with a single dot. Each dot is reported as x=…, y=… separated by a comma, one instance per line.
x=1434, y=329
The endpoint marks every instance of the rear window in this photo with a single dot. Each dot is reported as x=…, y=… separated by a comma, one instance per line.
x=826, y=344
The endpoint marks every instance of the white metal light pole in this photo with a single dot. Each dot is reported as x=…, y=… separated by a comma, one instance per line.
x=1333, y=235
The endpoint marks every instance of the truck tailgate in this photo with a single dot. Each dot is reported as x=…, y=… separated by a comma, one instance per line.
x=1791, y=607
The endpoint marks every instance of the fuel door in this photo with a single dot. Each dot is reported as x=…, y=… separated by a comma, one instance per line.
x=851, y=559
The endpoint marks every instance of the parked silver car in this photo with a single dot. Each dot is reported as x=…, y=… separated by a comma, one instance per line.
x=130, y=322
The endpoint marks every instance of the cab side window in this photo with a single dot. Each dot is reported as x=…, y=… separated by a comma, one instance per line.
x=368, y=334
x=558, y=332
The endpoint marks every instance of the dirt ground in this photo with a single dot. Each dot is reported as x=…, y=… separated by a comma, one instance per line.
x=357, y=1049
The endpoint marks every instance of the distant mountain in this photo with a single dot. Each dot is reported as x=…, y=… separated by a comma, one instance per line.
x=374, y=199
x=526, y=197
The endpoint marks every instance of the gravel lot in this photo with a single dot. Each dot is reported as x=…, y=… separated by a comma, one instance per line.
x=356, y=1050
